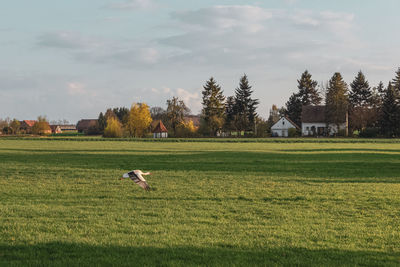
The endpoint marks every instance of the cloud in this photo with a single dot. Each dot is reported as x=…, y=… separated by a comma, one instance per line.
x=76, y=88
x=233, y=35
x=191, y=100
x=91, y=49
x=238, y=36
x=68, y=40
x=225, y=18
x=133, y=4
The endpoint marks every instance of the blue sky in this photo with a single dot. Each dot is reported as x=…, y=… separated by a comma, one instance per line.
x=73, y=59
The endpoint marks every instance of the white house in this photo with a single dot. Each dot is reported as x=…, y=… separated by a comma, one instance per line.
x=313, y=122
x=160, y=131
x=281, y=128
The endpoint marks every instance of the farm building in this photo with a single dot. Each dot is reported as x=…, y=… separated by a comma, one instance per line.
x=83, y=126
x=313, y=122
x=160, y=131
x=55, y=129
x=281, y=128
x=26, y=126
x=58, y=128
x=68, y=128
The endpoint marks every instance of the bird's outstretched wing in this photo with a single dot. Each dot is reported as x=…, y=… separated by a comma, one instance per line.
x=144, y=185
x=139, y=180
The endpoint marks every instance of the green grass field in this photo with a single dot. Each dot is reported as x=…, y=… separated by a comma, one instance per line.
x=243, y=204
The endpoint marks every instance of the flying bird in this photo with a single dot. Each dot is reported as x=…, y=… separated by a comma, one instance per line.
x=137, y=177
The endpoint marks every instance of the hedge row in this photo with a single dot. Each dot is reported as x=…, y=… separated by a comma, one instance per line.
x=210, y=140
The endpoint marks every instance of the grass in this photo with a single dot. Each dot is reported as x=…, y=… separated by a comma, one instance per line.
x=307, y=204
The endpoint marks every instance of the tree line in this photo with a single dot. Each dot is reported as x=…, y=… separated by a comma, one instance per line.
x=219, y=115
x=371, y=111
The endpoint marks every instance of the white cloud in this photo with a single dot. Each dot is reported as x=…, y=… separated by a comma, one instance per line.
x=92, y=49
x=166, y=90
x=133, y=4
x=225, y=18
x=69, y=40
x=76, y=88
x=240, y=36
x=191, y=100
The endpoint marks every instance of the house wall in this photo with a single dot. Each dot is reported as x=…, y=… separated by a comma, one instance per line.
x=306, y=128
x=160, y=135
x=280, y=133
x=281, y=128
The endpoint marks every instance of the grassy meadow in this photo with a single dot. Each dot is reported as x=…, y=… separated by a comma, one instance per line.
x=230, y=204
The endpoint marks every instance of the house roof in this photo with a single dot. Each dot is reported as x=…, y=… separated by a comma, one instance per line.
x=294, y=124
x=54, y=127
x=85, y=124
x=289, y=120
x=29, y=123
x=68, y=127
x=160, y=128
x=313, y=114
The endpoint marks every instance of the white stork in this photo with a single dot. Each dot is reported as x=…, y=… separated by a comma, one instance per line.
x=137, y=177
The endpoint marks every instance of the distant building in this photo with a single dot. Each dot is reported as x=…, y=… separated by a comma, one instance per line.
x=55, y=129
x=83, y=126
x=282, y=126
x=313, y=122
x=26, y=126
x=160, y=131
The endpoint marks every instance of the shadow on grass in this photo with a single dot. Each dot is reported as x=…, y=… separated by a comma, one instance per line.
x=344, y=150
x=312, y=167
x=68, y=254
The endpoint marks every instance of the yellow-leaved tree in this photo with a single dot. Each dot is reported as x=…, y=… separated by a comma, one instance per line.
x=186, y=129
x=113, y=129
x=139, y=120
x=41, y=126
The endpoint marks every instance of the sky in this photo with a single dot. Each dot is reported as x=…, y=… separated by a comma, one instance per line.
x=74, y=59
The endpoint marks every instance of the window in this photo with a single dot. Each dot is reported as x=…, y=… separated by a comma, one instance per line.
x=307, y=128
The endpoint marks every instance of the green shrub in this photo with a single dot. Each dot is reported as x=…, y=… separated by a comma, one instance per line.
x=293, y=132
x=369, y=133
x=341, y=133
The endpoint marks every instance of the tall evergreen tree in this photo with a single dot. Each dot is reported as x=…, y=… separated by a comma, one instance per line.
x=337, y=101
x=229, y=113
x=360, y=93
x=396, y=81
x=389, y=118
x=381, y=89
x=101, y=122
x=307, y=95
x=122, y=114
x=294, y=108
x=213, y=106
x=308, y=92
x=360, y=100
x=245, y=106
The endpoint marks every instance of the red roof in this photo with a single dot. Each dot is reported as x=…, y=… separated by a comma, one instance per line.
x=30, y=123
x=160, y=128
